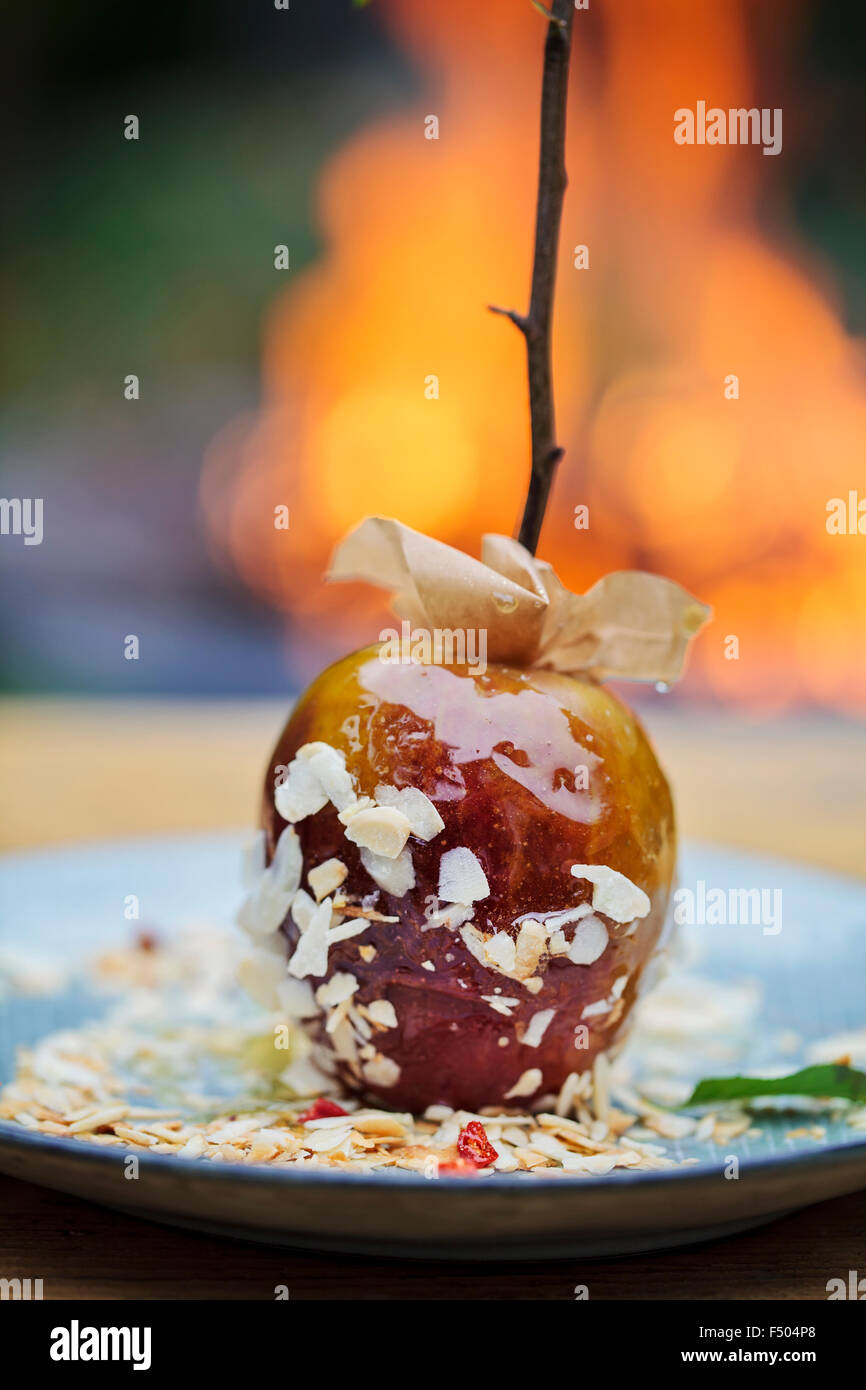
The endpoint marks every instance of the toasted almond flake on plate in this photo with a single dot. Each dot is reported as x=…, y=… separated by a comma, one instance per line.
x=96, y=1119
x=326, y=1140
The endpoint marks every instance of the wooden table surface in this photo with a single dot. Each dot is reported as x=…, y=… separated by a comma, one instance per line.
x=81, y=770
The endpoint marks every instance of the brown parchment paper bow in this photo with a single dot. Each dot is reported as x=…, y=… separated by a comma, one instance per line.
x=630, y=625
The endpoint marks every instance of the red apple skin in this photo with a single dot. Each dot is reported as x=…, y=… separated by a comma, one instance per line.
x=496, y=753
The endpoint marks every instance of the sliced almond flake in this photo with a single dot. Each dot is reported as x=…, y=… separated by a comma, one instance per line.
x=438, y=1113
x=461, y=877
x=336, y=1016
x=311, y=953
x=329, y=1122
x=367, y=954
x=531, y=945
x=613, y=894
x=618, y=986
x=325, y=1141
x=554, y=921
x=286, y=867
x=260, y=975
x=382, y=1123
x=135, y=1136
x=253, y=860
x=704, y=1128
x=572, y=1087
x=193, y=1148
x=382, y=1011
x=363, y=803
x=303, y=909
x=500, y=952
x=95, y=1119
x=526, y=1084
x=601, y=1006
x=382, y=829
x=266, y=905
x=360, y=1024
x=370, y=913
x=340, y=987
x=727, y=1129
x=589, y=1163
x=343, y=1041
x=501, y=1005
x=295, y=998
x=671, y=1126
x=395, y=875
x=548, y=1144
x=424, y=820
x=589, y=941
x=326, y=877
x=531, y=1158
x=300, y=794
x=601, y=1087
x=449, y=917
x=557, y=944
x=537, y=1027
x=328, y=765
x=381, y=1071
x=345, y=930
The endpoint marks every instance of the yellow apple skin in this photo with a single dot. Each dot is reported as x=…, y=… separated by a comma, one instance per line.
x=533, y=772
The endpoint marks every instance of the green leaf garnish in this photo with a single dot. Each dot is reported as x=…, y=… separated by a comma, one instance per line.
x=830, y=1080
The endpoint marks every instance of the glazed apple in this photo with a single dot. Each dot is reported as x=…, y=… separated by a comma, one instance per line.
x=474, y=869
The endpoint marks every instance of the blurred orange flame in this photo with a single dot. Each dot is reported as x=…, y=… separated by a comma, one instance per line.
x=727, y=496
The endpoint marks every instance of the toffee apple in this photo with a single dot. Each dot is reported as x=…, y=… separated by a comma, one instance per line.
x=474, y=868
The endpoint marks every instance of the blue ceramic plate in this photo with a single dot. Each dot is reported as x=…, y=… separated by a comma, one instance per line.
x=67, y=903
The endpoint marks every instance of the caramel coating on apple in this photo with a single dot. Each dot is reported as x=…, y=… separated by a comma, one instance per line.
x=533, y=772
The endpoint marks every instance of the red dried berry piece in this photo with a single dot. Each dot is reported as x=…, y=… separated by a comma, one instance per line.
x=474, y=1146
x=321, y=1109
